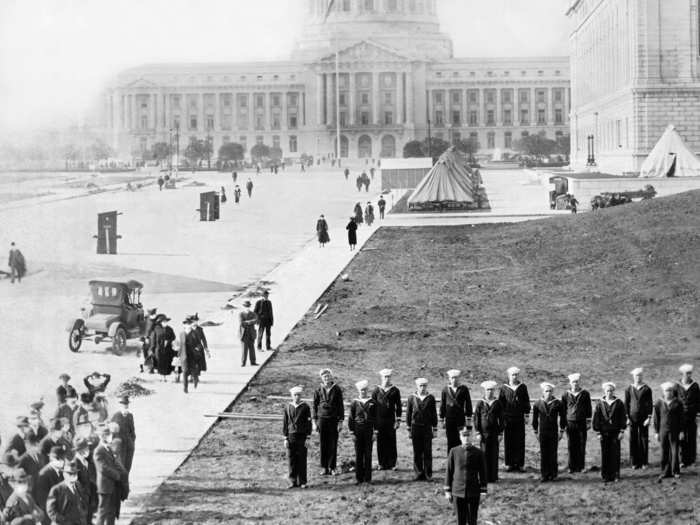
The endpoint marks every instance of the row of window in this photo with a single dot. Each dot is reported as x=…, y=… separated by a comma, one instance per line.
x=506, y=96
x=506, y=73
x=389, y=6
x=491, y=142
x=243, y=141
x=241, y=98
x=473, y=117
x=226, y=124
x=226, y=79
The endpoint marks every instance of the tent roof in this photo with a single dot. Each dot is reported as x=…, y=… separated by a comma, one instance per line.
x=448, y=181
x=669, y=147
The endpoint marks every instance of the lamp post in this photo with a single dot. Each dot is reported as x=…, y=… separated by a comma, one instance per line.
x=177, y=145
x=209, y=146
x=170, y=151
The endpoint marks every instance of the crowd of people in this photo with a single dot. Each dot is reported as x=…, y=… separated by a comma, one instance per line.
x=375, y=415
x=73, y=470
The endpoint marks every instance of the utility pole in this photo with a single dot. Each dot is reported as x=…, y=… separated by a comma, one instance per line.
x=177, y=146
x=427, y=114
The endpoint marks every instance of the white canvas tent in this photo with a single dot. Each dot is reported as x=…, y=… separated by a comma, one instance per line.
x=670, y=158
x=448, y=182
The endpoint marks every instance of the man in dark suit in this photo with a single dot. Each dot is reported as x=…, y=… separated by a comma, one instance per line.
x=127, y=433
x=16, y=447
x=49, y=476
x=112, y=479
x=465, y=479
x=32, y=461
x=87, y=475
x=263, y=309
x=246, y=332
x=67, y=501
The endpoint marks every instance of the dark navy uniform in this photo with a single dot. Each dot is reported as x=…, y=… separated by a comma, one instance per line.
x=422, y=420
x=639, y=404
x=466, y=480
x=689, y=396
x=578, y=413
x=328, y=411
x=516, y=405
x=610, y=420
x=548, y=418
x=296, y=428
x=455, y=407
x=489, y=423
x=388, y=412
x=668, y=424
x=361, y=422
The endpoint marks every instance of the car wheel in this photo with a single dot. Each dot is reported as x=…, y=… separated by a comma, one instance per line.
x=75, y=337
x=119, y=340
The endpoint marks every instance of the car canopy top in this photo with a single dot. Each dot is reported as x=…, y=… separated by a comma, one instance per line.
x=130, y=284
x=112, y=293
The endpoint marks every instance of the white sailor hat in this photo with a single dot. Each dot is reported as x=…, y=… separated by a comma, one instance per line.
x=421, y=381
x=609, y=384
x=574, y=377
x=296, y=390
x=454, y=373
x=513, y=370
x=668, y=385
x=386, y=372
x=325, y=371
x=488, y=384
x=685, y=368
x=546, y=385
x=637, y=371
x=362, y=384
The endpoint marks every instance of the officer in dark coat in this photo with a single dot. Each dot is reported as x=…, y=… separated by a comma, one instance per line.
x=246, y=331
x=112, y=479
x=381, y=204
x=49, y=476
x=32, y=461
x=488, y=425
x=87, y=474
x=127, y=433
x=352, y=233
x=362, y=423
x=639, y=406
x=328, y=414
x=296, y=428
x=388, y=400
x=668, y=427
x=688, y=393
x=189, y=352
x=67, y=501
x=516, y=408
x=610, y=420
x=16, y=446
x=465, y=479
x=549, y=423
x=263, y=309
x=455, y=408
x=199, y=332
x=422, y=422
x=577, y=404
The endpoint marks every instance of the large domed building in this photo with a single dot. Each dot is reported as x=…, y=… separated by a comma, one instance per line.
x=397, y=72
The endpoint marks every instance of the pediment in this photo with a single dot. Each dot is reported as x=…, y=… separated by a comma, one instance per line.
x=367, y=50
x=141, y=83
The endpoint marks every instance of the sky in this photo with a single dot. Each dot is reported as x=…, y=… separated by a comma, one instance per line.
x=55, y=55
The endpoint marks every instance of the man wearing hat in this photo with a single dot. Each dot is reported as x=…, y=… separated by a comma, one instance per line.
x=61, y=389
x=64, y=410
x=49, y=476
x=516, y=408
x=246, y=332
x=548, y=422
x=639, y=405
x=688, y=393
x=465, y=479
x=87, y=475
x=151, y=315
x=422, y=421
x=610, y=420
x=187, y=345
x=67, y=501
x=125, y=419
x=36, y=423
x=455, y=408
x=361, y=422
x=6, y=465
x=388, y=400
x=668, y=427
x=55, y=438
x=32, y=461
x=263, y=309
x=16, y=447
x=577, y=405
x=328, y=414
x=199, y=332
x=488, y=425
x=156, y=343
x=112, y=479
x=296, y=428
x=20, y=507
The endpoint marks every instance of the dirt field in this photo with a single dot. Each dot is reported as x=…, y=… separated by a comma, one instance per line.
x=596, y=293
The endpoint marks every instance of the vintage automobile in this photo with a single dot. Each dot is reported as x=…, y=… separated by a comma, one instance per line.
x=115, y=313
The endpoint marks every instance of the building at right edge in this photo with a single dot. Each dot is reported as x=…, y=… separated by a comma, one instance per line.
x=634, y=70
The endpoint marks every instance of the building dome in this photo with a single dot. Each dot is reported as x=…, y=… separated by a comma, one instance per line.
x=409, y=26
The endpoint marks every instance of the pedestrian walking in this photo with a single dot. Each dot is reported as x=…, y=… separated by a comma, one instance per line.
x=237, y=194
x=577, y=406
x=223, y=195
x=352, y=233
x=127, y=432
x=381, y=204
x=388, y=400
x=365, y=181
x=68, y=501
x=328, y=413
x=112, y=479
x=455, y=408
x=668, y=430
x=16, y=263
x=609, y=420
x=296, y=428
x=515, y=399
x=234, y=176
x=369, y=214
x=202, y=340
x=688, y=393
x=358, y=213
x=263, y=309
x=422, y=421
x=549, y=423
x=347, y=173
x=322, y=231
x=246, y=333
x=488, y=425
x=465, y=479
x=639, y=407
x=156, y=342
x=188, y=352
x=249, y=187
x=362, y=423
x=573, y=204
x=164, y=359
x=358, y=182
x=161, y=181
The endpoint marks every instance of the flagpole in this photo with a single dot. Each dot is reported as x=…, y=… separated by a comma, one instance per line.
x=337, y=91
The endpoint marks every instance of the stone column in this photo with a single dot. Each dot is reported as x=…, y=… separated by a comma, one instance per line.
x=268, y=110
x=550, y=107
x=399, y=97
x=217, y=111
x=134, y=112
x=153, y=124
x=533, y=106
x=352, y=103
x=319, y=99
x=409, y=99
x=167, y=121
x=376, y=103
x=201, y=127
x=284, y=111
x=234, y=117
x=329, y=100
x=499, y=108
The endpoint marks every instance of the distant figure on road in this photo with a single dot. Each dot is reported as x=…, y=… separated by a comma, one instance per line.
x=358, y=213
x=347, y=173
x=237, y=194
x=257, y=169
x=246, y=332
x=322, y=231
x=303, y=169
x=161, y=181
x=365, y=181
x=249, y=187
x=234, y=176
x=263, y=310
x=381, y=204
x=369, y=214
x=573, y=204
x=352, y=233
x=223, y=194
x=358, y=182
x=371, y=172
x=16, y=263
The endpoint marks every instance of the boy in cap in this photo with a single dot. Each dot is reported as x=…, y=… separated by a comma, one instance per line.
x=49, y=476
x=361, y=422
x=422, y=421
x=296, y=428
x=388, y=400
x=67, y=501
x=488, y=425
x=465, y=479
x=111, y=477
x=328, y=415
x=668, y=429
x=455, y=408
x=688, y=393
x=516, y=409
x=246, y=331
x=577, y=406
x=548, y=422
x=127, y=433
x=639, y=405
x=609, y=420
x=20, y=506
x=61, y=389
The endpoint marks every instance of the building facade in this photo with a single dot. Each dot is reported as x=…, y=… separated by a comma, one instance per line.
x=634, y=71
x=396, y=76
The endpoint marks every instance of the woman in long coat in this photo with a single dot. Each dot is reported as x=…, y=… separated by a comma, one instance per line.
x=352, y=233
x=358, y=213
x=322, y=231
x=164, y=350
x=369, y=214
